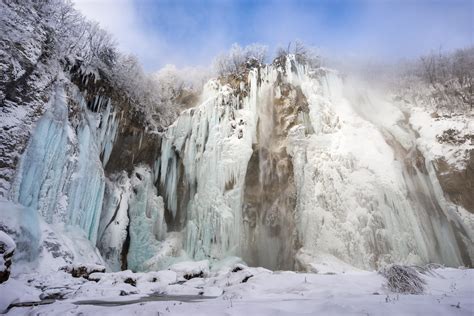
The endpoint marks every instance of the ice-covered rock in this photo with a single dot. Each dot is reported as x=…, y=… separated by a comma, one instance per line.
x=83, y=270
x=132, y=225
x=60, y=175
x=360, y=198
x=169, y=252
x=147, y=223
x=191, y=269
x=42, y=246
x=114, y=220
x=7, y=249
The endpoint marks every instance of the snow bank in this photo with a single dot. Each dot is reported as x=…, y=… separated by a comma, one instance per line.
x=41, y=246
x=191, y=269
x=447, y=137
x=447, y=292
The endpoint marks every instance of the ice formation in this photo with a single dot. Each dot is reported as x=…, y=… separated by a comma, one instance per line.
x=147, y=225
x=362, y=196
x=292, y=168
x=204, y=160
x=347, y=160
x=61, y=173
x=114, y=221
x=132, y=217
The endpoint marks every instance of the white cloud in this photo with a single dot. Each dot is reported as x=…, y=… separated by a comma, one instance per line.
x=190, y=33
x=120, y=18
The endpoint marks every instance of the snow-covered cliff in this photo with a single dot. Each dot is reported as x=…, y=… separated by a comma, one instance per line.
x=285, y=166
x=297, y=167
x=292, y=168
x=62, y=113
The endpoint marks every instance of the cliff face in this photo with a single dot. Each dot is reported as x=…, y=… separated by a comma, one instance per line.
x=458, y=185
x=25, y=83
x=134, y=143
x=285, y=166
x=297, y=167
x=31, y=67
x=270, y=191
x=66, y=129
x=287, y=170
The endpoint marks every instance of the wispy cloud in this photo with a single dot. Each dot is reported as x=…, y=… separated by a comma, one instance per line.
x=188, y=33
x=122, y=19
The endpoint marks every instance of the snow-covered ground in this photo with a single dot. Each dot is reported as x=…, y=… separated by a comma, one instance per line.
x=237, y=290
x=446, y=137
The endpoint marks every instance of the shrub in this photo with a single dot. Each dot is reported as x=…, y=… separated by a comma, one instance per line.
x=403, y=279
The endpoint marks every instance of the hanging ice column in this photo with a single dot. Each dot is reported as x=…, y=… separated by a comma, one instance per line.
x=61, y=174
x=46, y=165
x=204, y=161
x=205, y=167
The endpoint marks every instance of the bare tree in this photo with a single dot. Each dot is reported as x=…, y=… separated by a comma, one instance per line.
x=304, y=54
x=451, y=76
x=238, y=58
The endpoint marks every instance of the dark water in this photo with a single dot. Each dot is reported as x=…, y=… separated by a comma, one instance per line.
x=144, y=299
x=150, y=298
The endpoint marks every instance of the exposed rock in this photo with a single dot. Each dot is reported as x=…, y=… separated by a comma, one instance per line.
x=454, y=137
x=193, y=275
x=132, y=147
x=83, y=270
x=134, y=144
x=238, y=267
x=270, y=193
x=131, y=281
x=457, y=184
x=246, y=278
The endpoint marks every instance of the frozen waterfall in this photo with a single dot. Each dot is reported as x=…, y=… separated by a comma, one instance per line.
x=302, y=164
x=286, y=169
x=61, y=175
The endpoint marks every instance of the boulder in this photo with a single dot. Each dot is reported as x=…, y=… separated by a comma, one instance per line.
x=83, y=270
x=7, y=249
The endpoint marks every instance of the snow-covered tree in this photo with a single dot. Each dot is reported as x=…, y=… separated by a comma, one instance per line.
x=451, y=77
x=304, y=54
x=237, y=58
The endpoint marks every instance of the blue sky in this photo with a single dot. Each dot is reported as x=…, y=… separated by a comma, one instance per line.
x=190, y=33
